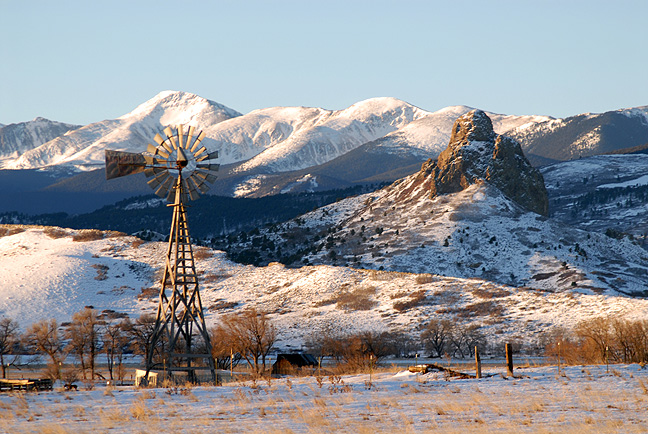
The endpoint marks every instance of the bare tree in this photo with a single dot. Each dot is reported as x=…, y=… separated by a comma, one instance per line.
x=140, y=333
x=464, y=338
x=9, y=337
x=251, y=334
x=223, y=352
x=596, y=334
x=355, y=351
x=43, y=337
x=378, y=345
x=436, y=336
x=115, y=342
x=83, y=335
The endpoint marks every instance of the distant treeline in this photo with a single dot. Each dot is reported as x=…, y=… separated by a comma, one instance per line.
x=622, y=197
x=208, y=216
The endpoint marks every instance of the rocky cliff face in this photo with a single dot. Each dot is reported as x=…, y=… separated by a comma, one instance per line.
x=476, y=153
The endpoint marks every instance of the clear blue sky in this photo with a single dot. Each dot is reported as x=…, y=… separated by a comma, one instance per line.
x=88, y=60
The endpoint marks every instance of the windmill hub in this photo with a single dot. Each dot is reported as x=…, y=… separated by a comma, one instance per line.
x=181, y=159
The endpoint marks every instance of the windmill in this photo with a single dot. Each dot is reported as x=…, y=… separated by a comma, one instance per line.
x=179, y=170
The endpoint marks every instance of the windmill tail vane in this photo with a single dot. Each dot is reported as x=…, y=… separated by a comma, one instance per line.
x=178, y=168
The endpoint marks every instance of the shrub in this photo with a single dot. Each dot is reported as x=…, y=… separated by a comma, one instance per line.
x=481, y=308
x=8, y=230
x=102, y=271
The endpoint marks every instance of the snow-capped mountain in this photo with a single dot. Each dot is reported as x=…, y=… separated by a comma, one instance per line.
x=84, y=147
x=296, y=138
x=16, y=139
x=271, y=140
x=291, y=149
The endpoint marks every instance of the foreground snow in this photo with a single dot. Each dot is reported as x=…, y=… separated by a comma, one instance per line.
x=581, y=399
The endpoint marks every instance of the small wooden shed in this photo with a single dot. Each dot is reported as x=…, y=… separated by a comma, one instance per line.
x=288, y=364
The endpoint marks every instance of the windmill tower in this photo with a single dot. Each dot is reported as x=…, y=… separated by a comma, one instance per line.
x=180, y=169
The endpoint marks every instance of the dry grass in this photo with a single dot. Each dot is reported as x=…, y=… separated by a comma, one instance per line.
x=424, y=278
x=592, y=402
x=489, y=292
x=202, y=253
x=137, y=242
x=8, y=230
x=416, y=299
x=88, y=235
x=55, y=232
x=140, y=411
x=359, y=298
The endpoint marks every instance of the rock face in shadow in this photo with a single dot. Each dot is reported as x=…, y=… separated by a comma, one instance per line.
x=476, y=153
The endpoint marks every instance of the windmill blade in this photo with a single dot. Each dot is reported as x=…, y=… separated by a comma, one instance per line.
x=162, y=142
x=212, y=167
x=156, y=151
x=165, y=187
x=154, y=161
x=190, y=134
x=154, y=171
x=199, y=151
x=209, y=156
x=169, y=133
x=180, y=134
x=199, y=183
x=119, y=163
x=170, y=197
x=190, y=189
x=205, y=176
x=158, y=139
x=199, y=139
x=158, y=180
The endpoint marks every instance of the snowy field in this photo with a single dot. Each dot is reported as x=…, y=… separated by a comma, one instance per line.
x=580, y=399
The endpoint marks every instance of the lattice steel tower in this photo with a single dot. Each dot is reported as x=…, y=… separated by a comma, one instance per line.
x=180, y=170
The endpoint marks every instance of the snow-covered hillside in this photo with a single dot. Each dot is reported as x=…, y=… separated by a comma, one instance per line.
x=476, y=233
x=47, y=274
x=601, y=193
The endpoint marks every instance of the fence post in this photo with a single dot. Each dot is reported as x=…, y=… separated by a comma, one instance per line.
x=477, y=363
x=509, y=360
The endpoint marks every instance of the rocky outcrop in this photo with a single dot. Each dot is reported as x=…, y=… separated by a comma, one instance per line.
x=476, y=153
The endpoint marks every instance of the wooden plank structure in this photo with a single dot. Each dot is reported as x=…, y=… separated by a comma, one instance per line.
x=180, y=311
x=30, y=384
